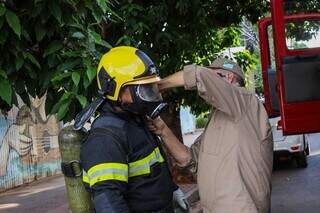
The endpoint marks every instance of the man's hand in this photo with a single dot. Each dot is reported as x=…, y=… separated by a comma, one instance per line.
x=156, y=125
x=177, y=150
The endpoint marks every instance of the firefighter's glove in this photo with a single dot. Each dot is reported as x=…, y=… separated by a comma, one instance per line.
x=180, y=199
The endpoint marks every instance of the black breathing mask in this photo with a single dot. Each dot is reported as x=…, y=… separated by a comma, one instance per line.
x=147, y=100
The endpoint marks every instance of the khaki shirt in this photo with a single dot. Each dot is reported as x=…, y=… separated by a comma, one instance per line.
x=236, y=149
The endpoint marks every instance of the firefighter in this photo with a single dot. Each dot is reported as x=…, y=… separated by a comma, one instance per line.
x=123, y=164
x=233, y=157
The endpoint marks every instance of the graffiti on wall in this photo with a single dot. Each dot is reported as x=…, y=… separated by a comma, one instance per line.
x=28, y=144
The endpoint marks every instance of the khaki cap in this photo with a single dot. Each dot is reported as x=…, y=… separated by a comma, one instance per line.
x=228, y=65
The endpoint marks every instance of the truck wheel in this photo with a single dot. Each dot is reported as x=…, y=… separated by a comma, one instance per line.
x=302, y=160
x=306, y=145
x=307, y=150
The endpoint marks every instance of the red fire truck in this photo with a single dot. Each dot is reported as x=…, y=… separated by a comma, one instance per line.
x=290, y=57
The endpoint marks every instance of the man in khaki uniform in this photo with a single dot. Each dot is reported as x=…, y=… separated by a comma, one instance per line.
x=234, y=161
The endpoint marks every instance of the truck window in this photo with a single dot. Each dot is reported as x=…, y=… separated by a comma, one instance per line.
x=303, y=34
x=272, y=63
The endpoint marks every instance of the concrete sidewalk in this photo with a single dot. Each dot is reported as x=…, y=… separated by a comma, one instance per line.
x=47, y=195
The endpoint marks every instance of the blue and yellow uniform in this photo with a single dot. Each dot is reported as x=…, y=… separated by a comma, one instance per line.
x=124, y=166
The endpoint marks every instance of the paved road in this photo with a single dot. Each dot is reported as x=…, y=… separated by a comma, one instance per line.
x=297, y=190
x=45, y=196
x=294, y=190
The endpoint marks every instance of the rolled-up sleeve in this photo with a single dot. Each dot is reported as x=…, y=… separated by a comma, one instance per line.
x=216, y=91
x=189, y=75
x=192, y=166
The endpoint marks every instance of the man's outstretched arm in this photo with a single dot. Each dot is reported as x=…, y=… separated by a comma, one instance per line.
x=174, y=80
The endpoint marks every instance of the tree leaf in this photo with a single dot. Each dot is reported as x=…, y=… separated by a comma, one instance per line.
x=97, y=15
x=75, y=78
x=5, y=90
x=19, y=62
x=63, y=109
x=98, y=40
x=52, y=61
x=91, y=71
x=60, y=76
x=82, y=100
x=78, y=35
x=2, y=9
x=73, y=53
x=33, y=59
x=63, y=99
x=31, y=72
x=103, y=5
x=86, y=82
x=3, y=73
x=13, y=22
x=55, y=10
x=3, y=37
x=26, y=35
x=69, y=64
x=40, y=32
x=53, y=47
x=1, y=22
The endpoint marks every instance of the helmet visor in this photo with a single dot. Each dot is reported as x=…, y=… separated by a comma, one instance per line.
x=149, y=92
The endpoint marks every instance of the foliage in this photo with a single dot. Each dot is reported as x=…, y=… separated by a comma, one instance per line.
x=176, y=33
x=53, y=46
x=301, y=6
x=201, y=122
x=302, y=30
x=202, y=119
x=306, y=30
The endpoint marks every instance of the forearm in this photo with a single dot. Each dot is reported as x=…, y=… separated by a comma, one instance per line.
x=174, y=80
x=177, y=150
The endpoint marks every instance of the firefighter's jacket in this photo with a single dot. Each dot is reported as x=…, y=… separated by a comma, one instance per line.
x=124, y=167
x=234, y=154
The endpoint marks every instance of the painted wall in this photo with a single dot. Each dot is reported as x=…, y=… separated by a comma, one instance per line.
x=28, y=145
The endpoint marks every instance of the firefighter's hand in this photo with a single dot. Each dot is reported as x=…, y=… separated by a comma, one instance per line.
x=180, y=199
x=156, y=125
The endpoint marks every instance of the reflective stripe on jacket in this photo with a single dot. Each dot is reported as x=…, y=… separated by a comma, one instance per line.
x=121, y=172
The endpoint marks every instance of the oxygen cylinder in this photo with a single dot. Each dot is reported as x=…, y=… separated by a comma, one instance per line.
x=70, y=142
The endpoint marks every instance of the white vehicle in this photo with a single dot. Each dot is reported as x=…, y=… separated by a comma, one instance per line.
x=289, y=147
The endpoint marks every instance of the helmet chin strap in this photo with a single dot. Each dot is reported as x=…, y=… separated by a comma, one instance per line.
x=87, y=113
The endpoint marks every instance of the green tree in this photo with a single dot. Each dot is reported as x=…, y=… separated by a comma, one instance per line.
x=53, y=46
x=176, y=33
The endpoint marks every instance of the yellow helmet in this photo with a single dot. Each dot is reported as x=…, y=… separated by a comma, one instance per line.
x=123, y=66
